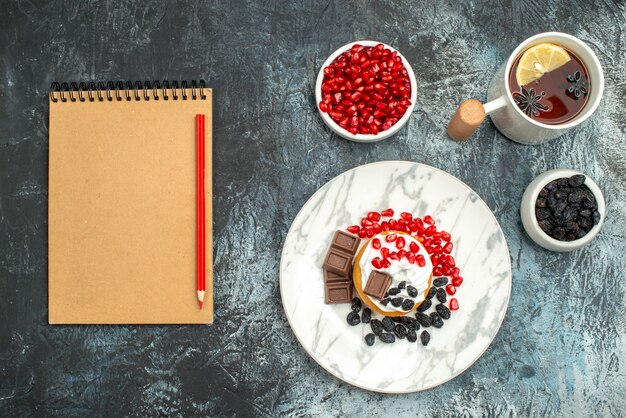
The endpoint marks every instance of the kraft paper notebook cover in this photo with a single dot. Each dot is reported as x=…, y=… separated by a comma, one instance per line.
x=122, y=205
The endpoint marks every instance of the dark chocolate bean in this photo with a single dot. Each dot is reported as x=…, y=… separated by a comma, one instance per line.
x=387, y=338
x=377, y=326
x=423, y=319
x=425, y=305
x=441, y=295
x=353, y=319
x=400, y=331
x=408, y=304
x=576, y=180
x=366, y=316
x=440, y=281
x=411, y=291
x=436, y=320
x=443, y=311
x=388, y=324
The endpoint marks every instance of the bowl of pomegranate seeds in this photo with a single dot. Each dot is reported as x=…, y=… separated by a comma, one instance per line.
x=366, y=91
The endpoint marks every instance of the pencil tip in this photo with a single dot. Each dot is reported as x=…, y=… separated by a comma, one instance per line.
x=200, y=302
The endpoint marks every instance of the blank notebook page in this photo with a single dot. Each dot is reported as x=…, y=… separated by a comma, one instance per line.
x=122, y=211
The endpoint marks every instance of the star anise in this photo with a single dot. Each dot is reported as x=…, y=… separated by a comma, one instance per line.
x=528, y=102
x=577, y=86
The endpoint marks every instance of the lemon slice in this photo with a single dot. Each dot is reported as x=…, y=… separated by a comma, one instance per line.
x=538, y=60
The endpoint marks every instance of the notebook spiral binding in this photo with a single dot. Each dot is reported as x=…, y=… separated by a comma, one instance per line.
x=120, y=90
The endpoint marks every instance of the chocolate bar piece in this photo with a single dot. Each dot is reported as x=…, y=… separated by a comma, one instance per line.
x=338, y=292
x=345, y=242
x=377, y=284
x=330, y=278
x=338, y=262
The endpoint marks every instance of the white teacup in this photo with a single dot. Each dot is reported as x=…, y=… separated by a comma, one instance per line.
x=508, y=117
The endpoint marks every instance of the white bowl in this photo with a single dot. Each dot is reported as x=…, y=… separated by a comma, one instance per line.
x=365, y=138
x=527, y=211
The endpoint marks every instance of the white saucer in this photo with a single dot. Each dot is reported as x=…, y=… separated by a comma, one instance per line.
x=480, y=251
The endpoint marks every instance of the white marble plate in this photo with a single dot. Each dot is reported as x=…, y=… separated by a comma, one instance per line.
x=480, y=251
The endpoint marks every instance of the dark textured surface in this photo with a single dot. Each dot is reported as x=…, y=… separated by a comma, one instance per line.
x=562, y=348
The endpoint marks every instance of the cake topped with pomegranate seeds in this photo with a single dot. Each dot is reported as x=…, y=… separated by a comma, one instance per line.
x=405, y=260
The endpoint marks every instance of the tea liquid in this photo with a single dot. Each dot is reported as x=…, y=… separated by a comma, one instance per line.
x=557, y=97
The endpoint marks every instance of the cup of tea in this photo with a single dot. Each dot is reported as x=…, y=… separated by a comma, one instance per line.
x=551, y=82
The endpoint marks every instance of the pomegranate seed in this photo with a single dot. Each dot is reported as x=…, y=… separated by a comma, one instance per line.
x=384, y=226
x=390, y=237
x=402, y=253
x=385, y=252
x=411, y=258
x=377, y=228
x=385, y=263
x=447, y=270
x=401, y=223
x=357, y=48
x=448, y=248
x=454, y=304
x=437, y=271
x=451, y=261
x=394, y=256
x=376, y=244
x=370, y=232
x=323, y=107
x=393, y=224
x=374, y=216
x=329, y=71
x=413, y=247
x=455, y=272
x=436, y=241
x=450, y=289
x=376, y=262
x=406, y=216
x=400, y=243
x=435, y=249
x=429, y=220
x=413, y=226
x=362, y=233
x=427, y=242
x=387, y=212
x=354, y=229
x=445, y=236
x=421, y=261
x=430, y=230
x=335, y=115
x=457, y=281
x=366, y=222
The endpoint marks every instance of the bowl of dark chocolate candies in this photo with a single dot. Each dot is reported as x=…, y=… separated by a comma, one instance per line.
x=562, y=210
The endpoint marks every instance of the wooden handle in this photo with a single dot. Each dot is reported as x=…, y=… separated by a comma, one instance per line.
x=466, y=120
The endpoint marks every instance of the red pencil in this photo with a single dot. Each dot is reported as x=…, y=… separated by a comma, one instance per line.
x=200, y=212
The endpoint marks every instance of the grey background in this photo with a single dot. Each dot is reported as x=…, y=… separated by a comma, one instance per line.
x=561, y=349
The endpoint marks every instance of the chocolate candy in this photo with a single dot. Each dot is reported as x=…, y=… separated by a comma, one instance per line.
x=330, y=277
x=338, y=292
x=337, y=267
x=377, y=284
x=338, y=262
x=345, y=242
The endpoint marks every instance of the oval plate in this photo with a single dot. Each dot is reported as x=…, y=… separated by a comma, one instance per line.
x=480, y=251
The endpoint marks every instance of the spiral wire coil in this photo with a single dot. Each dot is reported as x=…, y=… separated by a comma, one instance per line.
x=125, y=90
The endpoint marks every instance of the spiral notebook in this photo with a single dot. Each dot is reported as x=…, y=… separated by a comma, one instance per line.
x=121, y=215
